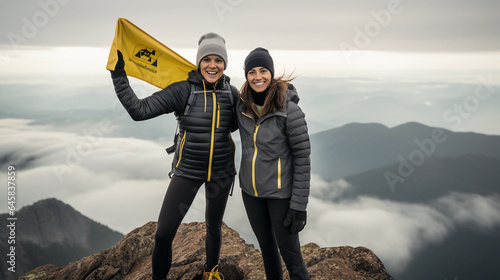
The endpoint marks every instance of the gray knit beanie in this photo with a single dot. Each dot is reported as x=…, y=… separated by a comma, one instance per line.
x=211, y=43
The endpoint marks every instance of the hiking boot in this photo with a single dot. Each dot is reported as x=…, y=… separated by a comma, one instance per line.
x=214, y=274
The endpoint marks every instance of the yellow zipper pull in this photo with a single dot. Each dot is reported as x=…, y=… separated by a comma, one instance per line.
x=218, y=114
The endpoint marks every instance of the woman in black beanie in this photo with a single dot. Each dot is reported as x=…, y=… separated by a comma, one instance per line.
x=275, y=165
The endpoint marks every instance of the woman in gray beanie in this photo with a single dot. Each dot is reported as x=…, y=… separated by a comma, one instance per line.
x=275, y=166
x=204, y=150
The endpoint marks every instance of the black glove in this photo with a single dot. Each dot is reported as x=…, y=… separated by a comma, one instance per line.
x=119, y=67
x=296, y=220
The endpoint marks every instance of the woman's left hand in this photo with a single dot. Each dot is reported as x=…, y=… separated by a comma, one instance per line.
x=296, y=220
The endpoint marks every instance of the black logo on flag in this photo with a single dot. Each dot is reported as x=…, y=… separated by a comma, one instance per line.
x=148, y=55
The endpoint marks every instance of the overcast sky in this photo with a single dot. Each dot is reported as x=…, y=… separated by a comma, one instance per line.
x=390, y=25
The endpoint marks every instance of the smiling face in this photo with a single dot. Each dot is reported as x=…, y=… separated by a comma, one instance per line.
x=259, y=78
x=212, y=68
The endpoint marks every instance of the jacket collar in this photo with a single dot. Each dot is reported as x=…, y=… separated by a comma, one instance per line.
x=242, y=108
x=196, y=78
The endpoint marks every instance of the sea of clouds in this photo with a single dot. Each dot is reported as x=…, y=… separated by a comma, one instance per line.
x=121, y=182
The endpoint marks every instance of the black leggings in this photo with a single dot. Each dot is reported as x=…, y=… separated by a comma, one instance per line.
x=180, y=194
x=266, y=217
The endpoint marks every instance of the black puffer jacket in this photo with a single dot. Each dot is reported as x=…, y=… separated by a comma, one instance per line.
x=205, y=149
x=275, y=159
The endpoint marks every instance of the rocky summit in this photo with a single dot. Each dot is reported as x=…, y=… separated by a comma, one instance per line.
x=131, y=259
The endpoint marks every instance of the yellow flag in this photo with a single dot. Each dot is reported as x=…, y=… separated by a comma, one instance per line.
x=145, y=57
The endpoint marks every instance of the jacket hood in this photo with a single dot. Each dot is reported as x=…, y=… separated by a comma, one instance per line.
x=195, y=77
x=292, y=95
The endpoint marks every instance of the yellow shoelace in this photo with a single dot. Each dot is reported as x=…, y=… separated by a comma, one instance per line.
x=216, y=274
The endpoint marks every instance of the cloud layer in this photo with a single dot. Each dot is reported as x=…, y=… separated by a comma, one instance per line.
x=121, y=182
x=394, y=231
x=113, y=180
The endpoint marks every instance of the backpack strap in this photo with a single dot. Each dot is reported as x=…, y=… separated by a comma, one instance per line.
x=233, y=106
x=190, y=101
x=231, y=97
x=187, y=110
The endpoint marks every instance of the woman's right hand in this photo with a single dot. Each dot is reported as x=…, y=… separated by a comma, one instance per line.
x=120, y=64
x=119, y=67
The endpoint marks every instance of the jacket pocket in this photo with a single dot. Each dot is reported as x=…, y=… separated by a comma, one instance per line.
x=181, y=148
x=279, y=172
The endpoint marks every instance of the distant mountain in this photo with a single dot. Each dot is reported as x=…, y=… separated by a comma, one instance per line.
x=52, y=232
x=434, y=178
x=356, y=148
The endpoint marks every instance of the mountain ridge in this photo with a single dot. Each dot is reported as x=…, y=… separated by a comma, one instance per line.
x=359, y=147
x=131, y=259
x=50, y=230
x=434, y=178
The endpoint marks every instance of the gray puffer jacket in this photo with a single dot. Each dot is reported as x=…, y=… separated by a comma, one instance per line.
x=275, y=159
x=205, y=149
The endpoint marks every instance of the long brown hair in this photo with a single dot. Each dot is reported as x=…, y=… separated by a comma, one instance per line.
x=276, y=95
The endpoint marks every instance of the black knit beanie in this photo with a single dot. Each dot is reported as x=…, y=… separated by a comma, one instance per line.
x=259, y=57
